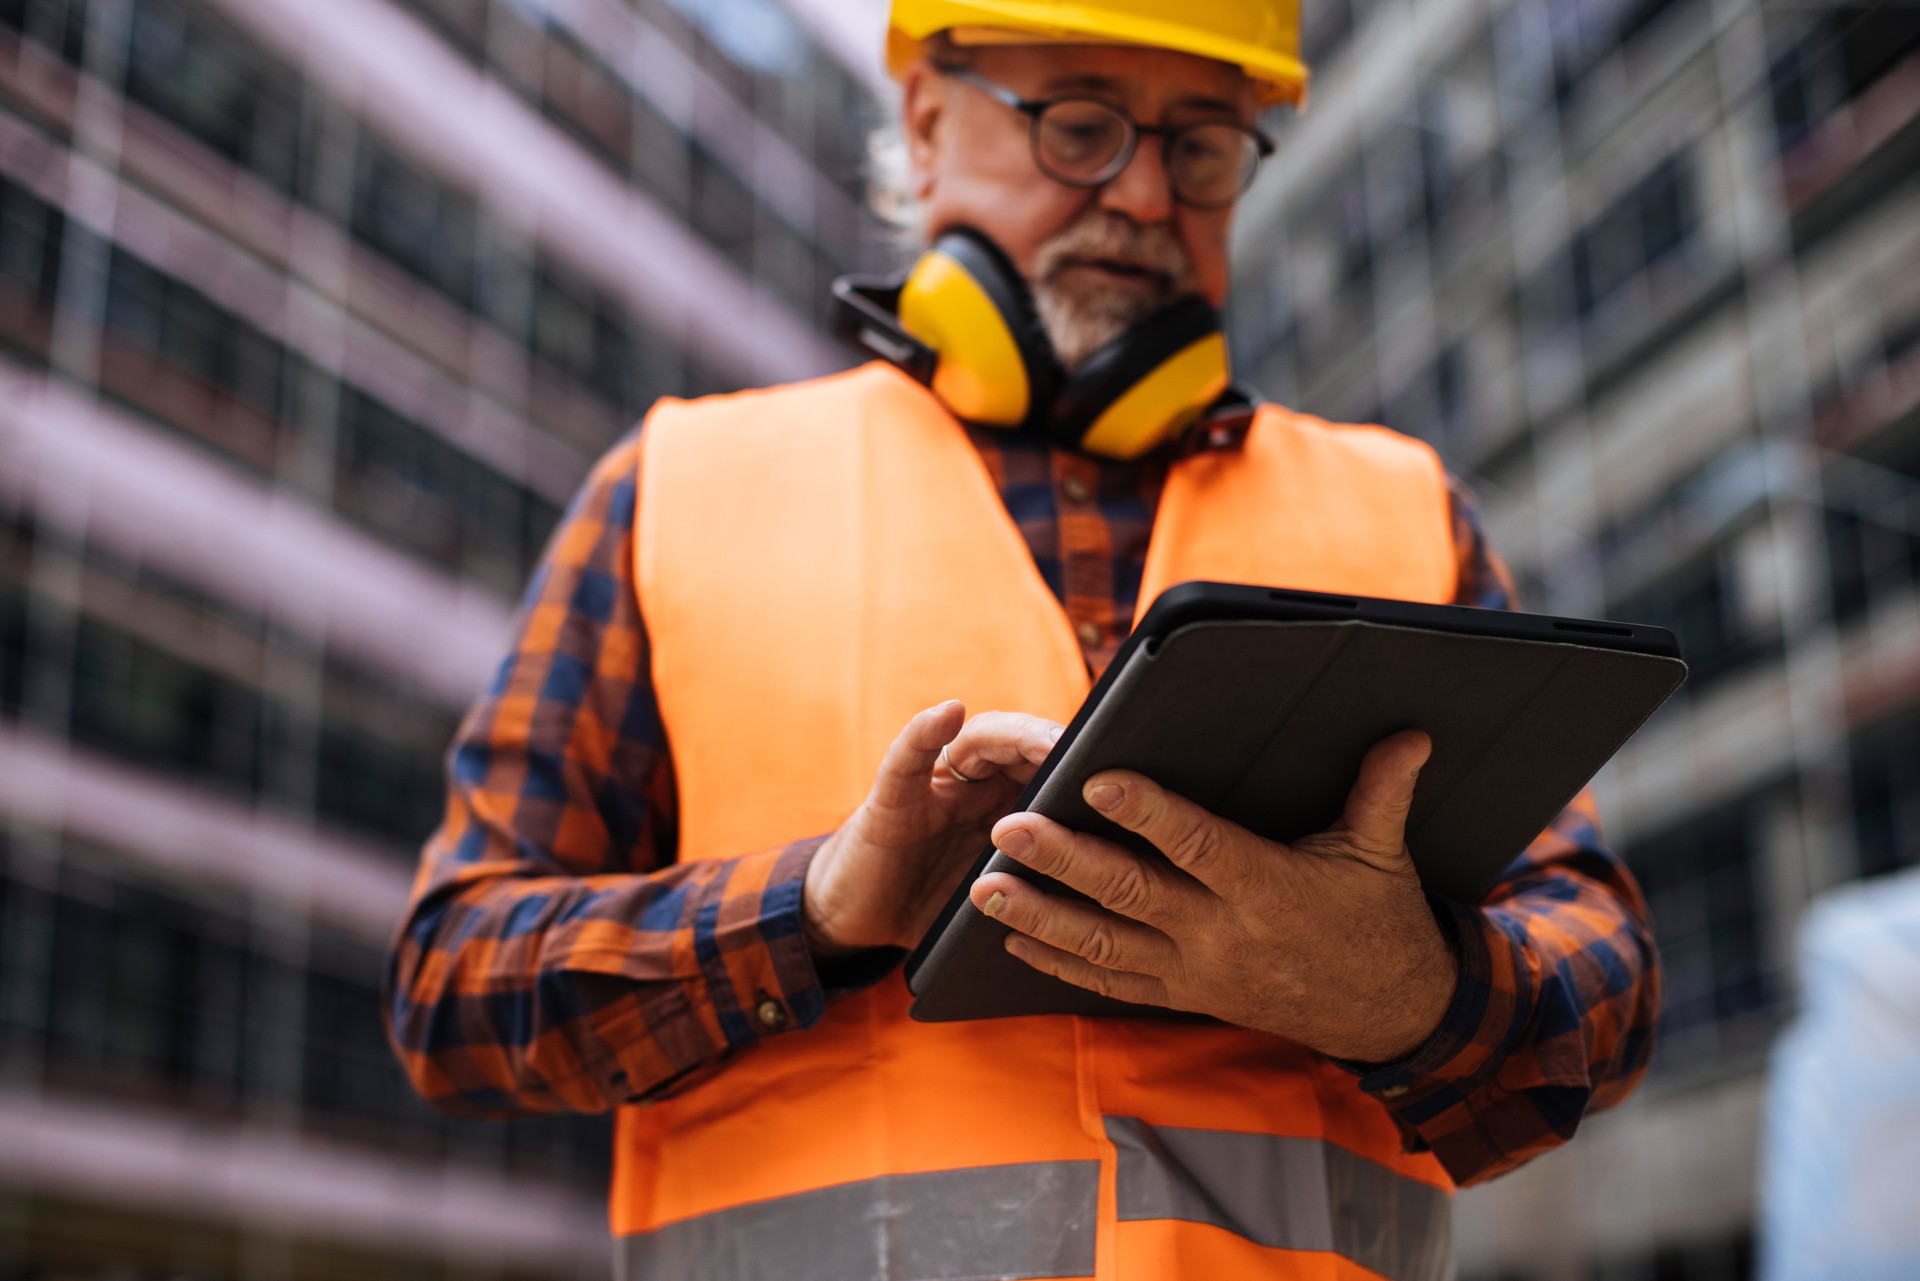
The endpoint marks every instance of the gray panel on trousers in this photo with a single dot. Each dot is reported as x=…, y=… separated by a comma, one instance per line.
x=1285, y=1193
x=1000, y=1221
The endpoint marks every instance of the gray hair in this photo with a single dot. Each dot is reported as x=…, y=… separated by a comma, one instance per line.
x=890, y=185
x=890, y=166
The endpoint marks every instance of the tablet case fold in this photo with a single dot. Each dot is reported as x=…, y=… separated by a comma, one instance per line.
x=1249, y=719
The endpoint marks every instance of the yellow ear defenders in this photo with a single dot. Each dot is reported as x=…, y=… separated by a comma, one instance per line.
x=962, y=321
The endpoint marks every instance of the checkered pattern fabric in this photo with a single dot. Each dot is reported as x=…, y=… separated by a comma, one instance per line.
x=555, y=956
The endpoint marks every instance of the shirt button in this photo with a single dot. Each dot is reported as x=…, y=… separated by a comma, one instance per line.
x=1075, y=490
x=1089, y=634
x=1393, y=1091
x=773, y=1015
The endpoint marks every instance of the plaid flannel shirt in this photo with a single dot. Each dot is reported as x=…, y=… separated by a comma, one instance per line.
x=555, y=956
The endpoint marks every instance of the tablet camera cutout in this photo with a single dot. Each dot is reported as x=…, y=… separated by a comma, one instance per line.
x=1313, y=598
x=1593, y=629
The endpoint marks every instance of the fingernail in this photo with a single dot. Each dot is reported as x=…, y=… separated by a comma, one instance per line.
x=995, y=902
x=1105, y=796
x=1017, y=842
x=1053, y=735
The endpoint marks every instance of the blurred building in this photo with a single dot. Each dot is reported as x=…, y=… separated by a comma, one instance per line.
x=1647, y=272
x=312, y=315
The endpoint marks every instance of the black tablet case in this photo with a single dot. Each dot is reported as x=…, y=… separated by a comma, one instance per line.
x=1265, y=722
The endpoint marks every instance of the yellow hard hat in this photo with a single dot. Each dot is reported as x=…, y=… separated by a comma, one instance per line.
x=1262, y=37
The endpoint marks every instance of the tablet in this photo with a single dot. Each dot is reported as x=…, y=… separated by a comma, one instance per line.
x=1259, y=703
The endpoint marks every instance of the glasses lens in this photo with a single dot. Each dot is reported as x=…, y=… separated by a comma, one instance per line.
x=1211, y=164
x=1079, y=140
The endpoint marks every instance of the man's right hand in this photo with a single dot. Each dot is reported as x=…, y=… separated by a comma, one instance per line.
x=884, y=876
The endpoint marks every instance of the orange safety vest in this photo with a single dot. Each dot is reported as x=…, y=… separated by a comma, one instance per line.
x=815, y=564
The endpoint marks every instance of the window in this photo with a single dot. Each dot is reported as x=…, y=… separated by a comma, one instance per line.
x=30, y=235
x=1611, y=275
x=1702, y=885
x=378, y=786
x=1327, y=29
x=1841, y=56
x=1432, y=404
x=1584, y=35
x=723, y=207
x=1716, y=1258
x=664, y=158
x=1886, y=795
x=205, y=348
x=1646, y=226
x=13, y=649
x=462, y=22
x=193, y=334
x=200, y=79
x=398, y=478
x=583, y=333
x=1873, y=528
x=134, y=701
x=1701, y=605
x=406, y=483
x=589, y=100
x=58, y=25
x=171, y=997
x=30, y=238
x=411, y=218
x=373, y=757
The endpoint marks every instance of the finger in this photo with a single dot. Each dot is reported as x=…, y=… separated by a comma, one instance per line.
x=1213, y=851
x=1382, y=795
x=1096, y=936
x=907, y=768
x=1011, y=743
x=1140, y=989
x=1117, y=879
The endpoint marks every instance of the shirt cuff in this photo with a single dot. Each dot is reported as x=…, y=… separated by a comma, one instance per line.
x=1483, y=1023
x=760, y=976
x=751, y=945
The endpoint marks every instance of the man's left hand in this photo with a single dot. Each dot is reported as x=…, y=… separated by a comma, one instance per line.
x=1328, y=941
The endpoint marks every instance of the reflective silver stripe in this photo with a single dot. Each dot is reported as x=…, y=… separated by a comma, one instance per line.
x=1292, y=1194
x=949, y=1225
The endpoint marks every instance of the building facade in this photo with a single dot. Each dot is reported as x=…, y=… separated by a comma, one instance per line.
x=1647, y=273
x=312, y=317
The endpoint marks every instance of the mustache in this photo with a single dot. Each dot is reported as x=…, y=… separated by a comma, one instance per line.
x=1103, y=235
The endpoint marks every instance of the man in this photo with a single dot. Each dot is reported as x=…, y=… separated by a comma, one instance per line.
x=688, y=837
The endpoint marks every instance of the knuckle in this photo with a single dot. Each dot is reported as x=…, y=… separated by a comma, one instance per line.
x=1197, y=841
x=1129, y=892
x=1099, y=945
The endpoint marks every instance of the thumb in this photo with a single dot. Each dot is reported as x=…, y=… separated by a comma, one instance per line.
x=1377, y=807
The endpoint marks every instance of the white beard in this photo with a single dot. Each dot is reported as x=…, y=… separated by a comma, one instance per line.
x=1081, y=311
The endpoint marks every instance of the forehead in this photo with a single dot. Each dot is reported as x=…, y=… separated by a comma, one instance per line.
x=1148, y=82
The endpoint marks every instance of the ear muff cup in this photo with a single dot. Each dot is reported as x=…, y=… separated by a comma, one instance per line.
x=964, y=299
x=1146, y=385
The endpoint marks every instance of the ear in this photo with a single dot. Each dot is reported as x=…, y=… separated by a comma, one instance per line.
x=923, y=109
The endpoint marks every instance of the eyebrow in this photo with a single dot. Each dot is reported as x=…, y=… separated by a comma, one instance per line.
x=1106, y=84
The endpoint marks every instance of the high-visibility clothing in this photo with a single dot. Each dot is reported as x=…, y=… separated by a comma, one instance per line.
x=1262, y=37
x=817, y=563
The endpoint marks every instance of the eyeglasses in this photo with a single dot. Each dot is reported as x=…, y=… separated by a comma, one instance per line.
x=1086, y=142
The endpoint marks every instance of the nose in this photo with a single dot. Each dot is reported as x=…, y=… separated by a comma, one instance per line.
x=1141, y=191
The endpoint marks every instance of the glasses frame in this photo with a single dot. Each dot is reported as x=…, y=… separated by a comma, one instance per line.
x=1170, y=135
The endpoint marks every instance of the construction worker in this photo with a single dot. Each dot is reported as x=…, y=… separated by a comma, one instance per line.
x=727, y=772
